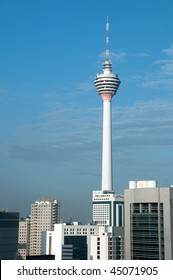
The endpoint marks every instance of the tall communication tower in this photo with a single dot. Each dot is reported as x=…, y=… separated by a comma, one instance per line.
x=107, y=206
x=107, y=84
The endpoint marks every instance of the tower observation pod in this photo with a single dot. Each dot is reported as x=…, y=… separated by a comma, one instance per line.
x=107, y=85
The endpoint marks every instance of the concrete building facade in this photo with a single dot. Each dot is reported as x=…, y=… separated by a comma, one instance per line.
x=24, y=238
x=108, y=209
x=44, y=214
x=148, y=221
x=81, y=242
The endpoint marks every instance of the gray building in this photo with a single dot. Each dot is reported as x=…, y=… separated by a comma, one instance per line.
x=9, y=225
x=148, y=221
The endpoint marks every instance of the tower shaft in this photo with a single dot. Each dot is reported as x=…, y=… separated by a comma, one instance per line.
x=107, y=147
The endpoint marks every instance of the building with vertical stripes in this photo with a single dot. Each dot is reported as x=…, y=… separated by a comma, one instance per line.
x=148, y=221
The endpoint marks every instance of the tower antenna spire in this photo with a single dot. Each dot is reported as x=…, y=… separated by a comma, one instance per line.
x=107, y=39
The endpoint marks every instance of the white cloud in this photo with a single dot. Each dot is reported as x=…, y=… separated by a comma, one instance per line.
x=158, y=83
x=161, y=77
x=169, y=51
x=75, y=135
x=84, y=87
x=166, y=67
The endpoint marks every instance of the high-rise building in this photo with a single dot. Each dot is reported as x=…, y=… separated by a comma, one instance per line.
x=24, y=238
x=107, y=206
x=44, y=214
x=9, y=226
x=148, y=221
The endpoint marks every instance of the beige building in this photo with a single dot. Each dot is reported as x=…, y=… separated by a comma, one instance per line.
x=148, y=221
x=44, y=214
x=24, y=238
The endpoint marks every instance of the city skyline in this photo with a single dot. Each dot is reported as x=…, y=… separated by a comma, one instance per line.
x=51, y=114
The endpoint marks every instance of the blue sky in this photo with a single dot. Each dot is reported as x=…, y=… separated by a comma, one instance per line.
x=51, y=114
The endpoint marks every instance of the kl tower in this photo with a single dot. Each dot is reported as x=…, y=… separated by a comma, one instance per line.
x=107, y=85
x=104, y=201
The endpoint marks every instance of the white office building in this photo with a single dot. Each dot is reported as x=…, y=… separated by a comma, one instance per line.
x=84, y=242
x=108, y=209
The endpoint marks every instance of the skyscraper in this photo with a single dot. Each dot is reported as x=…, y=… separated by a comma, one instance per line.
x=107, y=207
x=44, y=214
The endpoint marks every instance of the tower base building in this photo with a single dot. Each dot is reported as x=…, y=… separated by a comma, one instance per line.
x=108, y=209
